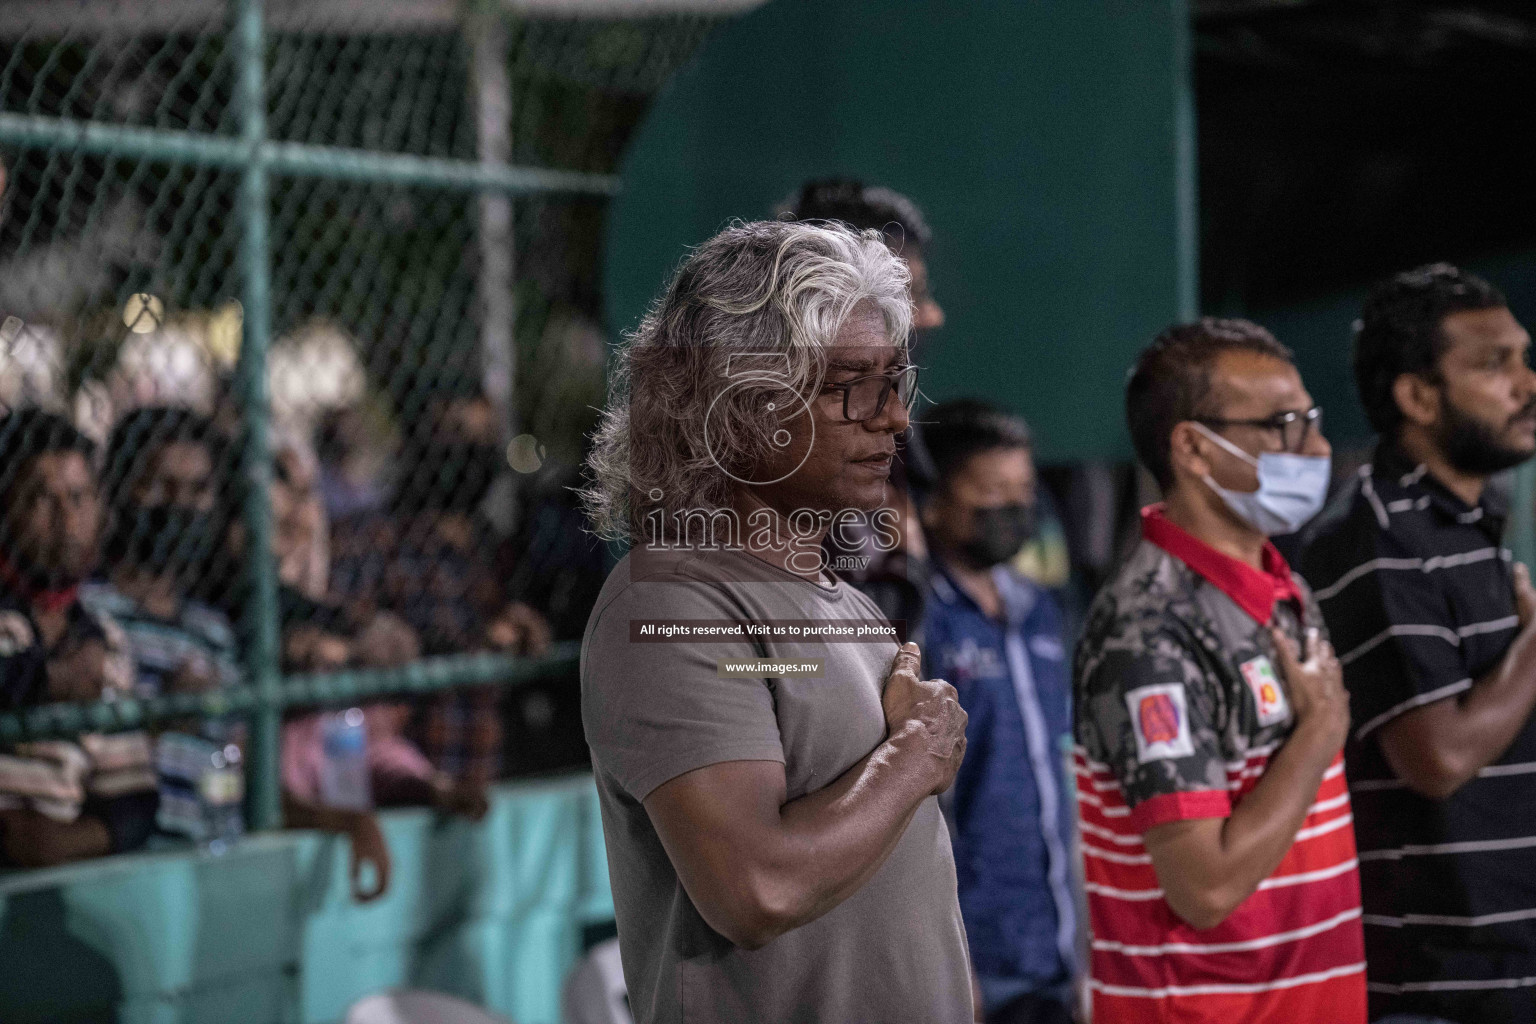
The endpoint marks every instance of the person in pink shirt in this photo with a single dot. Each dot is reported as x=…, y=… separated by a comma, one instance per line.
x=398, y=772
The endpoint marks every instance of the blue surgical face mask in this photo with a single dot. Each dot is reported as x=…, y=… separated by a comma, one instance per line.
x=1292, y=488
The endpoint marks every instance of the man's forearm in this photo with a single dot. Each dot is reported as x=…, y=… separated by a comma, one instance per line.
x=303, y=814
x=1263, y=826
x=757, y=866
x=1205, y=876
x=1485, y=721
x=841, y=835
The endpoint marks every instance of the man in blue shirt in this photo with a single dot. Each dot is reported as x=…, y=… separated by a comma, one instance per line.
x=997, y=638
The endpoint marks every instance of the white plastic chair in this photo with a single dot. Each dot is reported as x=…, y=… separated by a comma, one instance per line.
x=408, y=1006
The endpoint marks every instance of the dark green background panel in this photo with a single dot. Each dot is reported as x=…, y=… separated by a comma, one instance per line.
x=1321, y=333
x=1048, y=142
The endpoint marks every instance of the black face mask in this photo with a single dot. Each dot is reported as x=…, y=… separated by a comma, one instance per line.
x=452, y=476
x=165, y=538
x=998, y=534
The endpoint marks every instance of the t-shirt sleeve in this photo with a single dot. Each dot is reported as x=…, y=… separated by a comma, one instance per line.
x=656, y=709
x=1396, y=636
x=1151, y=721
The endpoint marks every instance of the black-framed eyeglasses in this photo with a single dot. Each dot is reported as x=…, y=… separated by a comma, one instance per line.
x=1294, y=428
x=864, y=398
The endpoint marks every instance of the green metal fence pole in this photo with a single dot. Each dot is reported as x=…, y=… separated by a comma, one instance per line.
x=431, y=675
x=265, y=808
x=295, y=158
x=493, y=119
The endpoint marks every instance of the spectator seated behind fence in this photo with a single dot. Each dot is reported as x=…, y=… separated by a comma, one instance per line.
x=351, y=459
x=162, y=469
x=318, y=638
x=997, y=638
x=60, y=800
x=431, y=562
x=556, y=563
x=553, y=559
x=300, y=548
x=319, y=635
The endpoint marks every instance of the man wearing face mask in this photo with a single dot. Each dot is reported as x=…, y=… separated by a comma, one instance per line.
x=1438, y=640
x=161, y=481
x=1210, y=712
x=997, y=637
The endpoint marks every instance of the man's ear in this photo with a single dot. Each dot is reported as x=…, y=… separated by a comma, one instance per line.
x=1417, y=399
x=1185, y=449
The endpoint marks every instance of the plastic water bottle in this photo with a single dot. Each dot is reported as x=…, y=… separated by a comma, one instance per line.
x=222, y=792
x=202, y=789
x=344, y=782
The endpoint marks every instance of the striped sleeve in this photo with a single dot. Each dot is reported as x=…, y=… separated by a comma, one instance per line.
x=1397, y=637
x=1151, y=725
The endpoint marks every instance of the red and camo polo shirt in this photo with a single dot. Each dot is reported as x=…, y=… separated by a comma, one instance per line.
x=1179, y=707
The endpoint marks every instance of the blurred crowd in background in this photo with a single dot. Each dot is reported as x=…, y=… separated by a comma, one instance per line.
x=398, y=532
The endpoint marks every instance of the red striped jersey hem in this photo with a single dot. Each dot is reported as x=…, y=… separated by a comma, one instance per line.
x=1338, y=998
x=1333, y=938
x=1297, y=935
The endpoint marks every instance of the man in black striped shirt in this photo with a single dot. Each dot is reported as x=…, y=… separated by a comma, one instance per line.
x=1439, y=651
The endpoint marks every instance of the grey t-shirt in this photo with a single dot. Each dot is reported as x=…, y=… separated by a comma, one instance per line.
x=893, y=951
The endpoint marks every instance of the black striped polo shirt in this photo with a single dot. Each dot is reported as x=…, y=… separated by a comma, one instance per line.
x=1416, y=589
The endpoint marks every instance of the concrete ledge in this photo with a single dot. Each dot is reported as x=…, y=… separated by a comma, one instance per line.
x=492, y=911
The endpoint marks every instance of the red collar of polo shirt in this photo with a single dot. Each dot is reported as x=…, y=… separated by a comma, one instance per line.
x=49, y=601
x=1254, y=591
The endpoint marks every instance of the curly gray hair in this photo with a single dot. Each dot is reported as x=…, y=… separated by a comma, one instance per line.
x=767, y=288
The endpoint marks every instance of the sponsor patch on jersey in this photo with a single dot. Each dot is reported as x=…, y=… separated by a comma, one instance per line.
x=1268, y=695
x=1160, y=721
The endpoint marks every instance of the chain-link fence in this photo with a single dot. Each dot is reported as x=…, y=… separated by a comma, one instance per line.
x=300, y=342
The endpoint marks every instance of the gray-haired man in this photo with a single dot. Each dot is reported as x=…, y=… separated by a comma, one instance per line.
x=775, y=845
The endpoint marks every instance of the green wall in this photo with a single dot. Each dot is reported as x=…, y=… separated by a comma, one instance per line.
x=1049, y=142
x=1320, y=332
x=494, y=912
